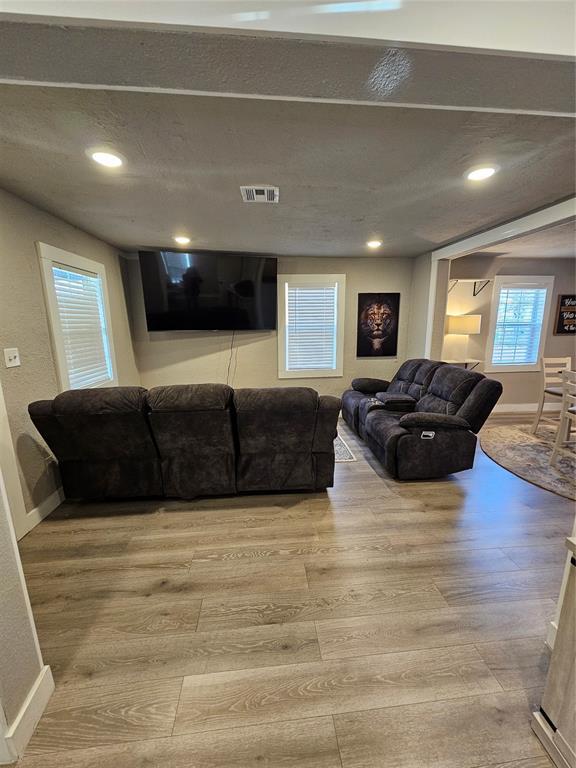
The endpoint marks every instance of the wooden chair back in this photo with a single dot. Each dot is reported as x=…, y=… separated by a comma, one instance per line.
x=552, y=370
x=568, y=393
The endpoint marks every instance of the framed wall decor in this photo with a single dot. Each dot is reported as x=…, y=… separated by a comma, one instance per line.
x=565, y=322
x=377, y=331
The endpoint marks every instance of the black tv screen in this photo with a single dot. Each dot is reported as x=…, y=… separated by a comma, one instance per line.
x=208, y=291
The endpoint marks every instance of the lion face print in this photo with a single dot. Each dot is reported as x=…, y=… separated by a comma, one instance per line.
x=377, y=324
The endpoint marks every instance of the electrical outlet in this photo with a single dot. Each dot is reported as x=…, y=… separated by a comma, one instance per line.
x=12, y=357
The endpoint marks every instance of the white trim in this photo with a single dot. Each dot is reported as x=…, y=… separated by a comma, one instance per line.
x=20, y=732
x=432, y=291
x=538, y=281
x=46, y=506
x=524, y=407
x=548, y=739
x=510, y=231
x=50, y=255
x=283, y=281
x=279, y=97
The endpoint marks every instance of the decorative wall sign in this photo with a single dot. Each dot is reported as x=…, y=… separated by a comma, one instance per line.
x=565, y=314
x=377, y=324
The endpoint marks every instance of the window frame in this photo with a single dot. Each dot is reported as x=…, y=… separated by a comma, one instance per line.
x=50, y=256
x=303, y=280
x=518, y=281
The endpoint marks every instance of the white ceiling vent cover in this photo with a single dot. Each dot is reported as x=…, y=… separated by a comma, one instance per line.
x=260, y=193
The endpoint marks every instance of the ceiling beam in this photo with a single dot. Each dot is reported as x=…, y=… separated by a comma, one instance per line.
x=532, y=222
x=120, y=56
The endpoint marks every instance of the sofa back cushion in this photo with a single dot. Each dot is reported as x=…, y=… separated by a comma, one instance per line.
x=113, y=453
x=413, y=377
x=275, y=436
x=106, y=423
x=479, y=404
x=192, y=426
x=449, y=388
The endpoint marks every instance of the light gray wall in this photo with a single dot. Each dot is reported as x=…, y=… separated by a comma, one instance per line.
x=24, y=324
x=195, y=357
x=420, y=294
x=521, y=387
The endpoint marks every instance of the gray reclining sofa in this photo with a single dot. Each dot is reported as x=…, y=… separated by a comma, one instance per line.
x=189, y=440
x=423, y=423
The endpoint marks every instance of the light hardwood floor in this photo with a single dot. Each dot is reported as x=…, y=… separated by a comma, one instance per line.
x=379, y=625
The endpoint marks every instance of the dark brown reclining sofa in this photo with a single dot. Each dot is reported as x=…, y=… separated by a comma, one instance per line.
x=423, y=423
x=189, y=440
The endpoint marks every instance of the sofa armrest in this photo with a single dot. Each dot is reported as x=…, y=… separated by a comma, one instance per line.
x=396, y=402
x=370, y=386
x=422, y=420
x=326, y=424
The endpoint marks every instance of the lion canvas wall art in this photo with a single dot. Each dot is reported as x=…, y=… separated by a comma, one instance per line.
x=377, y=324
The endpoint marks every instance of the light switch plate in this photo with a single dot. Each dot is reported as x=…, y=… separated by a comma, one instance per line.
x=12, y=357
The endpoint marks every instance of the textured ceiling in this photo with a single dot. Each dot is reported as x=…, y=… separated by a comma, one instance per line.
x=346, y=172
x=554, y=242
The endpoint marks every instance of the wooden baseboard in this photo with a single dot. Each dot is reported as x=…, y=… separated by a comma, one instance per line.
x=20, y=731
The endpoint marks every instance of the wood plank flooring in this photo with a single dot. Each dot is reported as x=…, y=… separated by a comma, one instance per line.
x=378, y=625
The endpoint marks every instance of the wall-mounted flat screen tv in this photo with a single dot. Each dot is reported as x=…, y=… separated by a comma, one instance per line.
x=208, y=291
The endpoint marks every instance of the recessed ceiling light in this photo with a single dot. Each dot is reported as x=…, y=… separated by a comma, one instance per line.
x=108, y=159
x=181, y=239
x=374, y=243
x=481, y=173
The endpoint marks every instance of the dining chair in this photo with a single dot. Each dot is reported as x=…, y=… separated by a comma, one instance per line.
x=567, y=417
x=551, y=384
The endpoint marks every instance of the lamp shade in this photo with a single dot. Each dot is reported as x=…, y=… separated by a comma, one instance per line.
x=464, y=324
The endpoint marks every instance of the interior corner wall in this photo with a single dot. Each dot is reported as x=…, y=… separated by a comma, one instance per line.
x=24, y=324
x=250, y=359
x=419, y=300
x=519, y=387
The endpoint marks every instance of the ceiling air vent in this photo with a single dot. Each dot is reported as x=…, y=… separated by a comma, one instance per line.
x=260, y=193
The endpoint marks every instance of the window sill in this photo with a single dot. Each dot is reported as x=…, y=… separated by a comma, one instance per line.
x=306, y=374
x=512, y=369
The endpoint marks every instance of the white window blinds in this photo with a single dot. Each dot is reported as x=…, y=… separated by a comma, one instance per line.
x=519, y=325
x=82, y=321
x=311, y=326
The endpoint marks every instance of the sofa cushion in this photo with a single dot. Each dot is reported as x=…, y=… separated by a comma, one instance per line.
x=413, y=377
x=383, y=432
x=351, y=400
x=396, y=402
x=479, y=404
x=369, y=386
x=449, y=388
x=114, y=452
x=100, y=400
x=433, y=421
x=275, y=431
x=381, y=425
x=190, y=397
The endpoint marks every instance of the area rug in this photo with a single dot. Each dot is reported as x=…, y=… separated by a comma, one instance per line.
x=341, y=451
x=515, y=448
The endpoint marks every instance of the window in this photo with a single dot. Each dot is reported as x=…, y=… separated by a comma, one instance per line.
x=520, y=310
x=77, y=302
x=311, y=325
